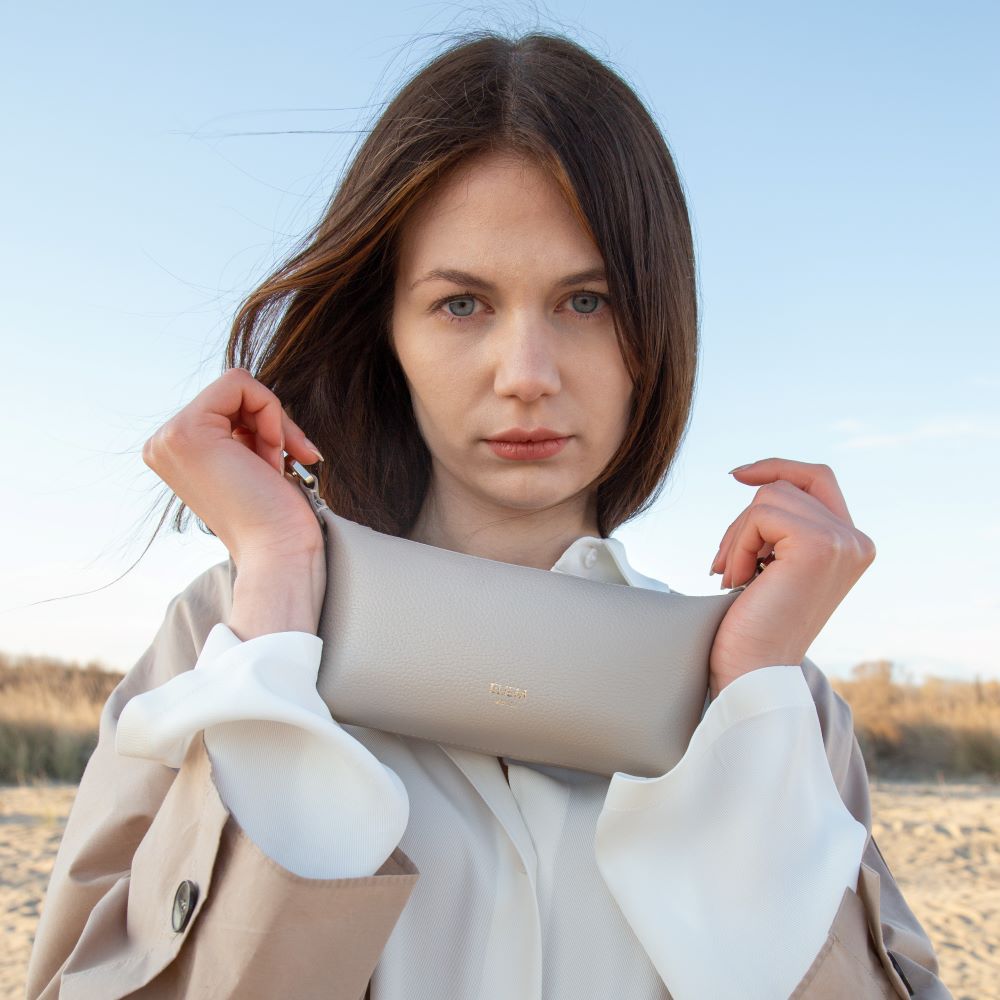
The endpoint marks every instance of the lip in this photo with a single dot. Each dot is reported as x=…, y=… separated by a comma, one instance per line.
x=528, y=451
x=535, y=434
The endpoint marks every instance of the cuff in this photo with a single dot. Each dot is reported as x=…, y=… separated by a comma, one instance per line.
x=309, y=794
x=730, y=867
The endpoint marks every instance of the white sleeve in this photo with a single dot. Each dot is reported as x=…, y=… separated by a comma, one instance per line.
x=730, y=867
x=309, y=794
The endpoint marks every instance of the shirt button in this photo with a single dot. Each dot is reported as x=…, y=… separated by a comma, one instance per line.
x=185, y=899
x=590, y=558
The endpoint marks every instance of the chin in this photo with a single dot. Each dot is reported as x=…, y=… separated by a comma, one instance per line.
x=531, y=497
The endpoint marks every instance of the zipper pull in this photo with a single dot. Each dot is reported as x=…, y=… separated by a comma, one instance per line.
x=309, y=483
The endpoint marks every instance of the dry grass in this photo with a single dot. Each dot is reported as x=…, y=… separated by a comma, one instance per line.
x=938, y=730
x=49, y=713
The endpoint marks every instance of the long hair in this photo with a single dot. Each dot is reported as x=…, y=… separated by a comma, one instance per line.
x=316, y=331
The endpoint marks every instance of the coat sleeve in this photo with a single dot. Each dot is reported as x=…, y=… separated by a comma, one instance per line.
x=156, y=890
x=875, y=940
x=310, y=795
x=749, y=868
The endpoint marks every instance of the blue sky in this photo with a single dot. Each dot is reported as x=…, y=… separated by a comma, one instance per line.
x=841, y=167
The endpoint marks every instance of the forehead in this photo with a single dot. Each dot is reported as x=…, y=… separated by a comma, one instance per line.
x=492, y=208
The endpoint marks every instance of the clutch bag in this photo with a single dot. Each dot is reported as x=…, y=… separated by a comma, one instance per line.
x=505, y=659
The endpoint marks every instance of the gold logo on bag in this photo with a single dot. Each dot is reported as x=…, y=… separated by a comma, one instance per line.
x=508, y=695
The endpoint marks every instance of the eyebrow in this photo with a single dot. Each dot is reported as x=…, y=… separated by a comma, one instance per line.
x=473, y=281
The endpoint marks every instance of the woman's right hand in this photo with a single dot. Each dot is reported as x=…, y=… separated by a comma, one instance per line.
x=222, y=455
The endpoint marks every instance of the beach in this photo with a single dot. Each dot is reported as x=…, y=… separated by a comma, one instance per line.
x=941, y=841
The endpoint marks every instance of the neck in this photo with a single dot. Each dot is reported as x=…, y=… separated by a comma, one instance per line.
x=527, y=538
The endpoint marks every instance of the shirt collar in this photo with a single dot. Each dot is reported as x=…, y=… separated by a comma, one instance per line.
x=604, y=560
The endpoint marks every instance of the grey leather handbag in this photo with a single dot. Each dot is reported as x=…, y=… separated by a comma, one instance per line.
x=505, y=659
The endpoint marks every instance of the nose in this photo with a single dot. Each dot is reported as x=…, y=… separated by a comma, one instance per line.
x=526, y=363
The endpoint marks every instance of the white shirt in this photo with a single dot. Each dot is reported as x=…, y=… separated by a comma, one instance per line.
x=720, y=878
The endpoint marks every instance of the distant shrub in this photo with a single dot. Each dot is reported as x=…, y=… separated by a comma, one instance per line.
x=49, y=715
x=937, y=729
x=941, y=729
x=28, y=753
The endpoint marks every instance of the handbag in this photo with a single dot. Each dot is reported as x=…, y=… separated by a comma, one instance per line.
x=505, y=659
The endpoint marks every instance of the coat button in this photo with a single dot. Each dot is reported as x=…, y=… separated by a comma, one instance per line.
x=185, y=899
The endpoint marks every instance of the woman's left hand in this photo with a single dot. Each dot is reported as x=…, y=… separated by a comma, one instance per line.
x=800, y=516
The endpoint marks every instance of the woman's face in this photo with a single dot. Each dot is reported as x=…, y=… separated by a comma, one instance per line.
x=514, y=342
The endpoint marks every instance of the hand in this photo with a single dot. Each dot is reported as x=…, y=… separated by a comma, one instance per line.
x=222, y=454
x=799, y=515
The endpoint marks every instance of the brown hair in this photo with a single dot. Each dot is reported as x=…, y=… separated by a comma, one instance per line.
x=316, y=331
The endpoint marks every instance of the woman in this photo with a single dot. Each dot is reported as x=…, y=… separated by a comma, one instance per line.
x=508, y=256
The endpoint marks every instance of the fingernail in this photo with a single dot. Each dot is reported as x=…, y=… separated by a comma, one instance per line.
x=315, y=449
x=738, y=467
x=711, y=568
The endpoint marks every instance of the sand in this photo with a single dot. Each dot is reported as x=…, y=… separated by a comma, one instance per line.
x=941, y=841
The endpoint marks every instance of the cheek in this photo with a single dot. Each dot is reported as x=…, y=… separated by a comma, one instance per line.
x=616, y=389
x=431, y=377
x=413, y=356
x=617, y=395
x=436, y=387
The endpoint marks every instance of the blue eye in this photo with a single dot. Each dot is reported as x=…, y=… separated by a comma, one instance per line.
x=467, y=301
x=592, y=297
x=462, y=301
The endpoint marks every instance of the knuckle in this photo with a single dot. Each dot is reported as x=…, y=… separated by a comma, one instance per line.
x=171, y=435
x=831, y=542
x=866, y=547
x=166, y=440
x=767, y=508
x=238, y=375
x=769, y=491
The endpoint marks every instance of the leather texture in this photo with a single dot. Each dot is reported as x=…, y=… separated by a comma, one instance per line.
x=510, y=660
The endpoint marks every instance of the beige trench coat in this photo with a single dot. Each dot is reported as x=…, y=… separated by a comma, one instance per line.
x=139, y=829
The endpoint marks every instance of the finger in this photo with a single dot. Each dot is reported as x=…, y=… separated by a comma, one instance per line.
x=246, y=437
x=783, y=496
x=238, y=398
x=780, y=493
x=816, y=479
x=296, y=442
x=764, y=525
x=258, y=410
x=293, y=438
x=263, y=416
x=727, y=537
x=764, y=553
